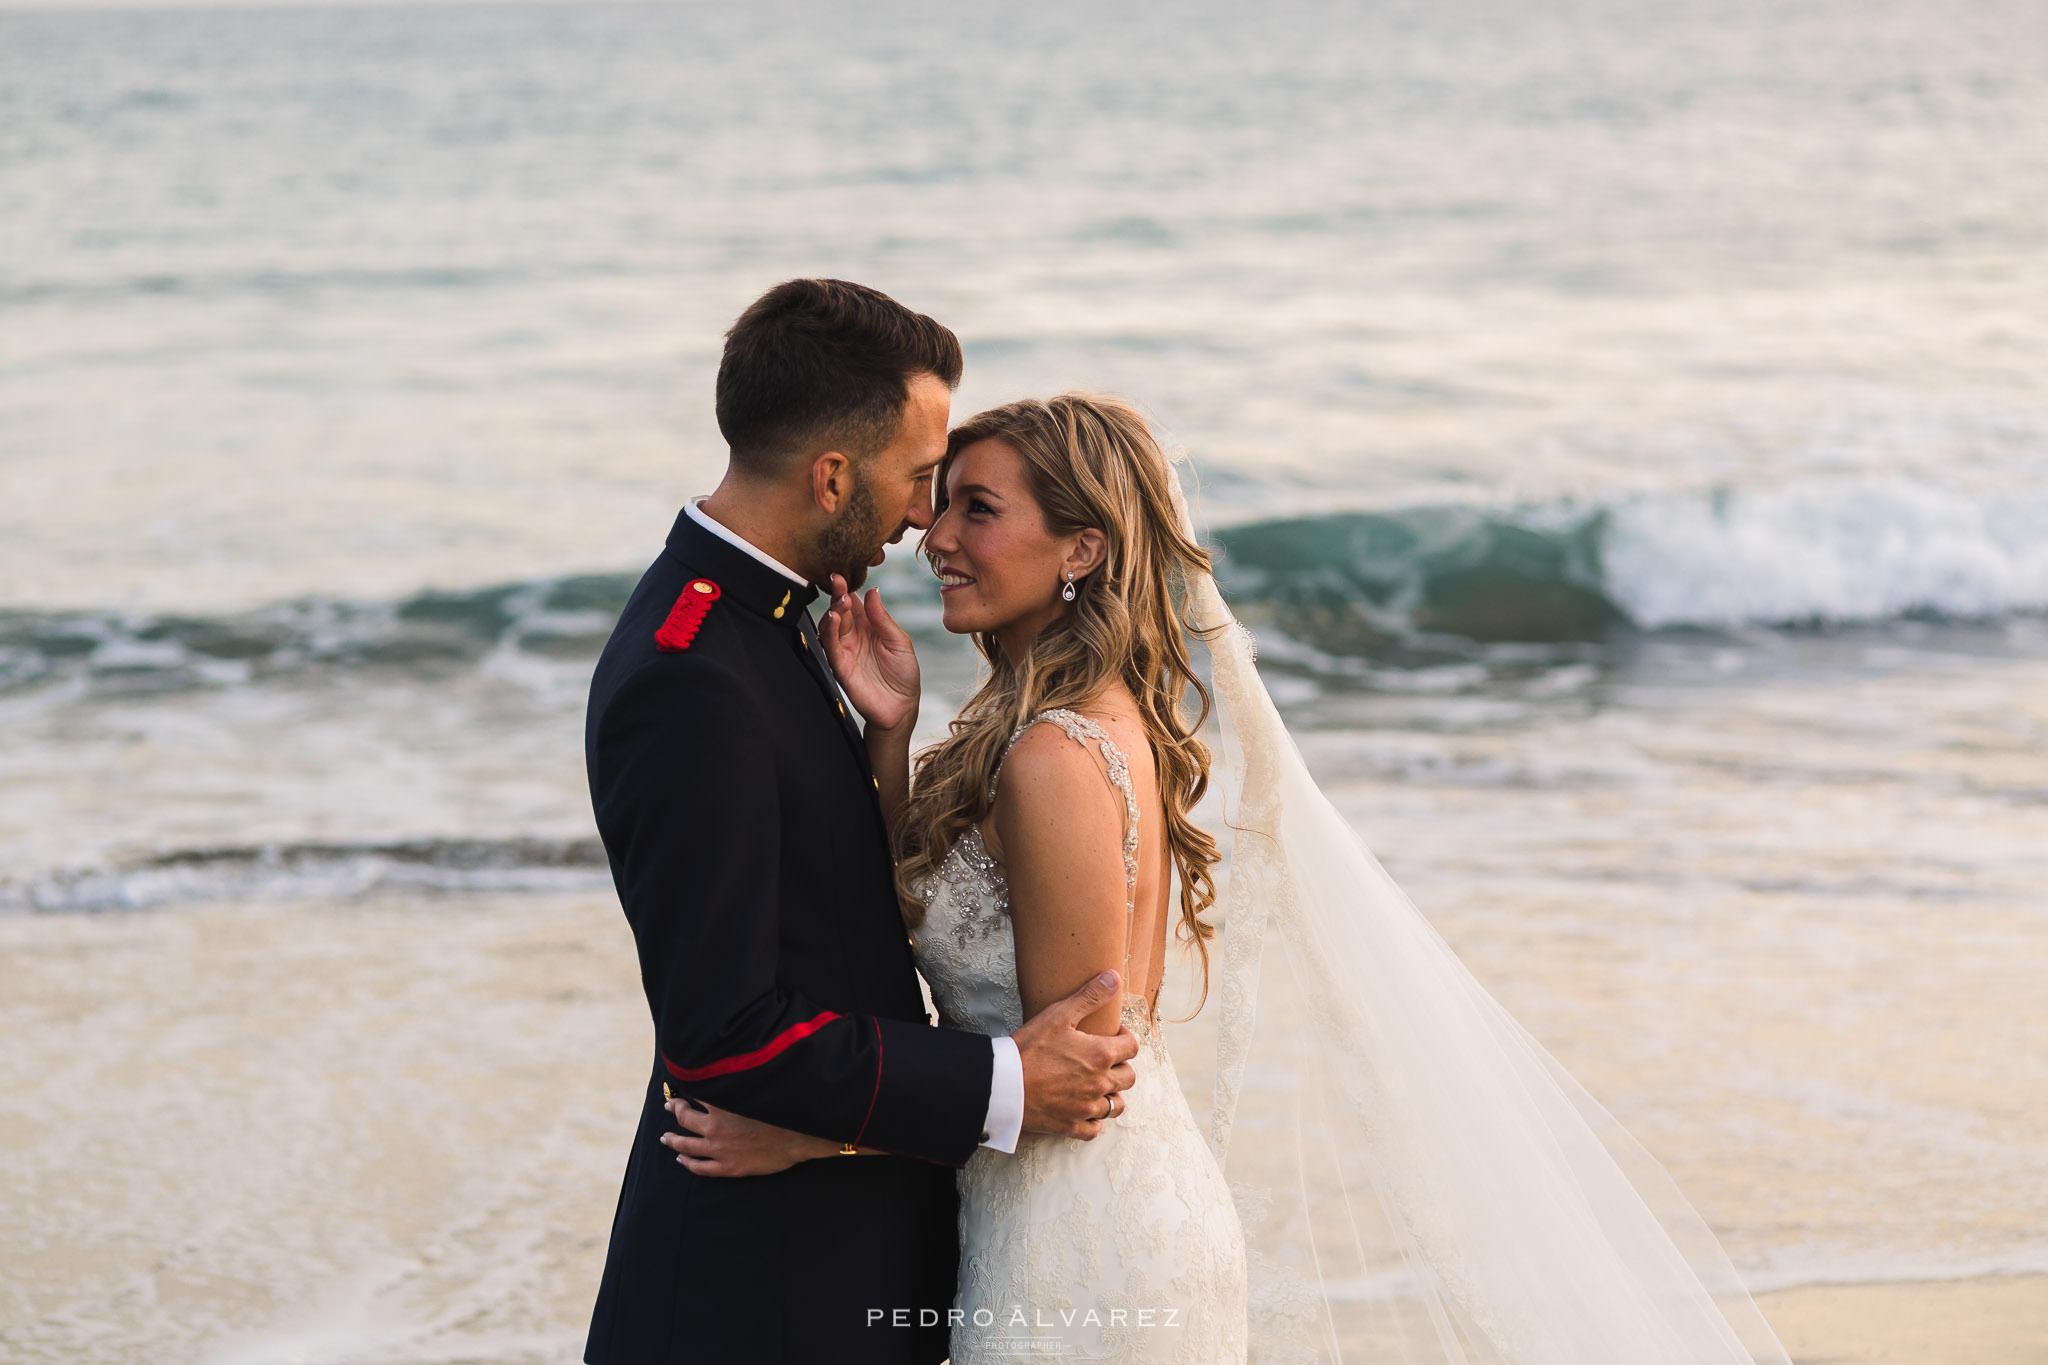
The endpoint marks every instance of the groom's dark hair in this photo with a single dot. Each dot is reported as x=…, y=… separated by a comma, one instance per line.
x=816, y=365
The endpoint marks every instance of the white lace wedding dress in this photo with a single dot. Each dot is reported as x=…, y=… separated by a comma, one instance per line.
x=1123, y=1248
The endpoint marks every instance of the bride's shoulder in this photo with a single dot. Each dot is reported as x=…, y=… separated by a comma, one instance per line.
x=1115, y=716
x=1068, y=744
x=1052, y=802
x=1049, y=755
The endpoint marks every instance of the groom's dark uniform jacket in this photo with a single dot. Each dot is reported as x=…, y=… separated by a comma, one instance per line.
x=746, y=839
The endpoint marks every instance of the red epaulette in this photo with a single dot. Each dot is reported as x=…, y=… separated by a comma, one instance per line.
x=686, y=615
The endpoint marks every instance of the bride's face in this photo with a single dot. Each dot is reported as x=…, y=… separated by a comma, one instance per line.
x=1000, y=570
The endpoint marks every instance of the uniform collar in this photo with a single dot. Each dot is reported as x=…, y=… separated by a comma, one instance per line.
x=694, y=509
x=742, y=573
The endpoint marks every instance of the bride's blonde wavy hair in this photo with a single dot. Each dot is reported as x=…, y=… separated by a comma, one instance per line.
x=1090, y=461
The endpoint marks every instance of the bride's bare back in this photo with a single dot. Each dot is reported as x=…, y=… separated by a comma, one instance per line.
x=1065, y=806
x=1127, y=1247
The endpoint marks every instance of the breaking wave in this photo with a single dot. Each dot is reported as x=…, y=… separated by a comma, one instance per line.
x=1804, y=554
x=129, y=653
x=1809, y=553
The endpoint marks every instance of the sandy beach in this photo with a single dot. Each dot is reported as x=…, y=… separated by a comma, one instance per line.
x=369, y=1133
x=391, y=1132
x=1992, y=1320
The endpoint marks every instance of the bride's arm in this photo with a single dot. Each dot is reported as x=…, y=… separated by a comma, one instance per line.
x=1059, y=826
x=877, y=668
x=717, y=1142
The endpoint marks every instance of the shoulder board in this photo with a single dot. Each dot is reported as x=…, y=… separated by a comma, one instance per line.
x=686, y=615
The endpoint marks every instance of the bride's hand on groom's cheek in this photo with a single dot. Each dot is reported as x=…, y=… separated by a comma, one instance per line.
x=718, y=1142
x=872, y=656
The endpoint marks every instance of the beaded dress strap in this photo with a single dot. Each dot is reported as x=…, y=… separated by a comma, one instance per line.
x=1082, y=730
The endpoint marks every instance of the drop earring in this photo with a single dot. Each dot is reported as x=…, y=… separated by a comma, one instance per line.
x=1068, y=592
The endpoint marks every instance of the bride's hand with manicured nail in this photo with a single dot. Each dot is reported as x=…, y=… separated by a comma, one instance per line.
x=713, y=1141
x=873, y=657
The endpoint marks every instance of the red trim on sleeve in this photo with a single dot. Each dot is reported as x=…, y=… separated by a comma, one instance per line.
x=725, y=1066
x=878, y=1085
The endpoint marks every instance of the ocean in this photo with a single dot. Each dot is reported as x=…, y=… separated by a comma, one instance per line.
x=1623, y=425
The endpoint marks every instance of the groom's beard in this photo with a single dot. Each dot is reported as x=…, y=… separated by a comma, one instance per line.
x=850, y=542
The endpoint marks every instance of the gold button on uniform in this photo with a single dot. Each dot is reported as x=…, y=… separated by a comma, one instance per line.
x=842, y=707
x=877, y=781
x=779, y=609
x=667, y=1093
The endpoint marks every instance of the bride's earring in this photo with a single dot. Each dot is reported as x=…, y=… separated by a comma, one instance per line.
x=1068, y=591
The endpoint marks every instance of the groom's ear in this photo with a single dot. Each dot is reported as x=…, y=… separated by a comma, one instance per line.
x=831, y=482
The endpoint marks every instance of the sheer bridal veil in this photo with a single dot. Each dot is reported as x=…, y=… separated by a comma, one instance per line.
x=1419, y=1180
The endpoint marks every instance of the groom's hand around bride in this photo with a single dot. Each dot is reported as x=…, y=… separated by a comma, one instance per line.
x=1073, y=1080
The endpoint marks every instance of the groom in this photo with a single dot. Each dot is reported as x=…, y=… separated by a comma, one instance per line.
x=747, y=841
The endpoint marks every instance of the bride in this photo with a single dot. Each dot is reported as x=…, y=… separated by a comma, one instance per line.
x=1445, y=1191
x=1038, y=847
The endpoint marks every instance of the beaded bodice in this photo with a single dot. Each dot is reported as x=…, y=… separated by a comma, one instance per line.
x=965, y=947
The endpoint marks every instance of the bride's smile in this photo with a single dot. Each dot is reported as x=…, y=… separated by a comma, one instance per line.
x=1000, y=570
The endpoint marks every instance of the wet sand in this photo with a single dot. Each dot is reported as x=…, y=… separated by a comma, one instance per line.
x=392, y=1132
x=1992, y=1320
x=379, y=1132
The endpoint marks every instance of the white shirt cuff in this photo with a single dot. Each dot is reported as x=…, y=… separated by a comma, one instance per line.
x=1005, y=1098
